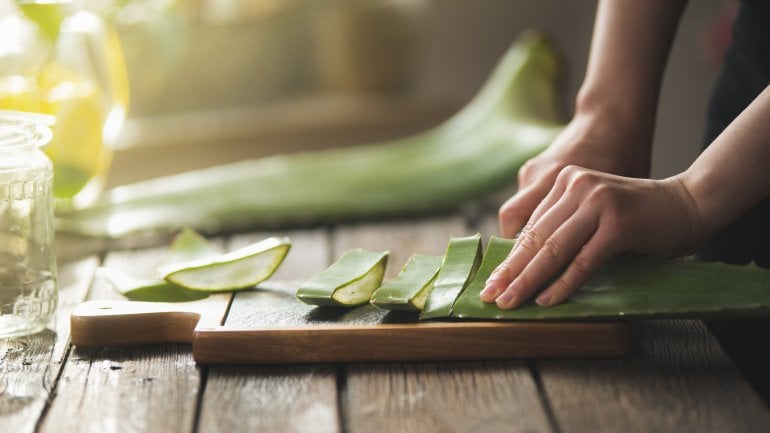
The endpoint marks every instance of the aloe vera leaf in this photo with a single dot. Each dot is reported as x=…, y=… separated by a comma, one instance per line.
x=475, y=152
x=189, y=245
x=411, y=287
x=633, y=286
x=460, y=264
x=240, y=269
x=348, y=282
x=148, y=290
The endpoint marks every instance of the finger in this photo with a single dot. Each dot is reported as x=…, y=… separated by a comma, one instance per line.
x=515, y=212
x=528, y=245
x=557, y=251
x=596, y=253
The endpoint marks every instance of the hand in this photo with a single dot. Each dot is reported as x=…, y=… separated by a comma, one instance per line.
x=598, y=141
x=585, y=219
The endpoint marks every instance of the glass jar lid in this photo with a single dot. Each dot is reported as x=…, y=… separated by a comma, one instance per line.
x=20, y=129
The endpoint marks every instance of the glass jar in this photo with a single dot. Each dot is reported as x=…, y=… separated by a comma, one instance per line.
x=59, y=58
x=28, y=290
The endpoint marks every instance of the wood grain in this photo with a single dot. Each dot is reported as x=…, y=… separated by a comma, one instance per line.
x=279, y=399
x=448, y=397
x=444, y=397
x=30, y=366
x=131, y=389
x=270, y=399
x=679, y=381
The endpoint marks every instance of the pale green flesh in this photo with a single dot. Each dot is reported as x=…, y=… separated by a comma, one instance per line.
x=462, y=259
x=238, y=269
x=345, y=274
x=360, y=291
x=410, y=288
x=474, y=153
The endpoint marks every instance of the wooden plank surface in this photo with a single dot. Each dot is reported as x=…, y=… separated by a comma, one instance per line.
x=126, y=389
x=678, y=381
x=432, y=397
x=30, y=366
x=280, y=399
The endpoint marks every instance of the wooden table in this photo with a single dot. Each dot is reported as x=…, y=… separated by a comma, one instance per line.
x=677, y=379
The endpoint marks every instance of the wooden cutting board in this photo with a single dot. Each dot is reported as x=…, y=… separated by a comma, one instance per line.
x=269, y=326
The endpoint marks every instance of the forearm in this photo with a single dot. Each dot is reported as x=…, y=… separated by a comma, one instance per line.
x=630, y=45
x=733, y=173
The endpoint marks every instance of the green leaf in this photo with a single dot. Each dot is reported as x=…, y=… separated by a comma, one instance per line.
x=411, y=287
x=148, y=290
x=348, y=282
x=461, y=261
x=633, y=286
x=240, y=269
x=474, y=153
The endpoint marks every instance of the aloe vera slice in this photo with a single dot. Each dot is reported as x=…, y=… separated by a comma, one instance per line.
x=148, y=290
x=632, y=286
x=476, y=152
x=461, y=261
x=239, y=269
x=410, y=289
x=189, y=245
x=348, y=282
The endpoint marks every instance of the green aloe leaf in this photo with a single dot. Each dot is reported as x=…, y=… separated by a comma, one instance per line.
x=411, y=287
x=148, y=290
x=633, y=286
x=461, y=261
x=476, y=152
x=194, y=267
x=348, y=282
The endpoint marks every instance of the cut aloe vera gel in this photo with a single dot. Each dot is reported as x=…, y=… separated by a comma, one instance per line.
x=633, y=286
x=239, y=269
x=461, y=261
x=348, y=282
x=410, y=289
x=149, y=289
x=474, y=153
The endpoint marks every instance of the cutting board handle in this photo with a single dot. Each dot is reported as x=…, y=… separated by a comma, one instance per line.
x=110, y=323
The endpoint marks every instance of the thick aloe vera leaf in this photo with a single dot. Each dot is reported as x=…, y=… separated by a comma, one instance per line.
x=475, y=152
x=348, y=282
x=633, y=286
x=411, y=287
x=461, y=261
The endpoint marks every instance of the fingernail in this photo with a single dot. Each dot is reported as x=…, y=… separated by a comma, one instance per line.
x=506, y=300
x=490, y=291
x=544, y=300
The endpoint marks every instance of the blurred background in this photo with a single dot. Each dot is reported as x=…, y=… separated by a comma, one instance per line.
x=213, y=81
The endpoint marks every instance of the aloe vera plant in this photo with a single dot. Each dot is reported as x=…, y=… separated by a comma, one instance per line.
x=411, y=287
x=633, y=286
x=480, y=149
x=461, y=262
x=348, y=282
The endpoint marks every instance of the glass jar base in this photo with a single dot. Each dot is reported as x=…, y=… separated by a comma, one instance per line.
x=19, y=326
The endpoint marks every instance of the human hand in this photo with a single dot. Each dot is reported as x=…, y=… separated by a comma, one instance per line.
x=585, y=219
x=596, y=141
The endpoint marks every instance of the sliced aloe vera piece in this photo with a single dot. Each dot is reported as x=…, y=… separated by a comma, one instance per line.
x=239, y=269
x=461, y=261
x=640, y=287
x=148, y=290
x=411, y=287
x=348, y=282
x=189, y=245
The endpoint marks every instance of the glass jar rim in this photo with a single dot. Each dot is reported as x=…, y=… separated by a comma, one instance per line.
x=19, y=129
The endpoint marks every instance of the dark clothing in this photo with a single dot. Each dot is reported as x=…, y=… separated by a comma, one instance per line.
x=745, y=73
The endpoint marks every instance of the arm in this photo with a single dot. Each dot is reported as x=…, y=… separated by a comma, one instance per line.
x=590, y=216
x=615, y=108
